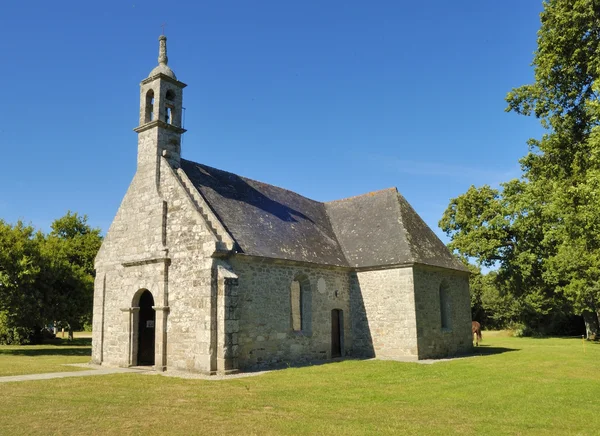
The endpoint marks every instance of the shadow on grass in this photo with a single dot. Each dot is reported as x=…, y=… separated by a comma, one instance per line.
x=53, y=347
x=78, y=342
x=485, y=350
x=303, y=364
x=32, y=352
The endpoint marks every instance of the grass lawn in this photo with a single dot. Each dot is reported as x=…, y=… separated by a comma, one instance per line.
x=35, y=359
x=517, y=386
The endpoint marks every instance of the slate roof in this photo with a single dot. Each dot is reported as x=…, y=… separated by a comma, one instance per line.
x=381, y=228
x=265, y=220
x=375, y=229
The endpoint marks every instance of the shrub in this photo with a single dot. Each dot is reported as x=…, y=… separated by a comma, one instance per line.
x=13, y=335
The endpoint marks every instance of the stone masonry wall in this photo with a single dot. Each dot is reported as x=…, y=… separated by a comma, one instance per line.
x=383, y=313
x=135, y=233
x=433, y=341
x=190, y=325
x=111, y=343
x=265, y=335
x=158, y=241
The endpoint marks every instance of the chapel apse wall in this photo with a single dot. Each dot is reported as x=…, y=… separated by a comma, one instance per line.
x=436, y=340
x=383, y=313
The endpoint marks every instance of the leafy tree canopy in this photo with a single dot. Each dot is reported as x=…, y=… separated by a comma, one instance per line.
x=542, y=232
x=46, y=278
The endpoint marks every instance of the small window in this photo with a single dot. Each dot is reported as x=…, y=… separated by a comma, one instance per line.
x=445, y=307
x=300, y=305
x=170, y=95
x=296, y=300
x=149, y=116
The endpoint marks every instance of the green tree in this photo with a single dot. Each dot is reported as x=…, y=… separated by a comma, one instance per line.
x=69, y=251
x=492, y=307
x=82, y=241
x=504, y=229
x=564, y=98
x=22, y=294
x=543, y=231
x=46, y=278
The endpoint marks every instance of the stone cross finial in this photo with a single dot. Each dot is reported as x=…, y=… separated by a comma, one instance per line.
x=162, y=50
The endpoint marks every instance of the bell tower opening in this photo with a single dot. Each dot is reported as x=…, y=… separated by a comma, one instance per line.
x=169, y=106
x=149, y=106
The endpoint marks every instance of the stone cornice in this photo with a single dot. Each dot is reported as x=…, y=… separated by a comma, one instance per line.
x=250, y=257
x=409, y=265
x=130, y=309
x=441, y=268
x=159, y=123
x=146, y=261
x=161, y=308
x=165, y=78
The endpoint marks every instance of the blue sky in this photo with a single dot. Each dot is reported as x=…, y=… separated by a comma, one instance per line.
x=327, y=98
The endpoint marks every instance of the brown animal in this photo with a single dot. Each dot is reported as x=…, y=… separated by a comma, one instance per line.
x=476, y=328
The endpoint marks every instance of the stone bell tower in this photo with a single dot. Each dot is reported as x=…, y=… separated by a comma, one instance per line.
x=161, y=99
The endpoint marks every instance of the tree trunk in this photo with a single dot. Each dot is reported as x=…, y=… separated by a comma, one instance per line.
x=70, y=334
x=591, y=324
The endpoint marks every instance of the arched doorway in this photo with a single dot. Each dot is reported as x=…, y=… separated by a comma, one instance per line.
x=146, y=322
x=337, y=329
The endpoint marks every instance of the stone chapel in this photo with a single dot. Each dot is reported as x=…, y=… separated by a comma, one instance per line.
x=207, y=271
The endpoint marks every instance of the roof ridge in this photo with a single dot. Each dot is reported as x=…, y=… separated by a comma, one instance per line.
x=393, y=188
x=454, y=262
x=405, y=234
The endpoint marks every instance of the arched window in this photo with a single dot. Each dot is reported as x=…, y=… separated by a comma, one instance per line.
x=169, y=114
x=149, y=106
x=445, y=306
x=170, y=95
x=300, y=304
x=296, y=300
